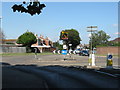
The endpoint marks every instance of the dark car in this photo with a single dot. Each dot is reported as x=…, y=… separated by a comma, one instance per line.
x=84, y=53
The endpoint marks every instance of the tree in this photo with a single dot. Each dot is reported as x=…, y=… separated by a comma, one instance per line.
x=112, y=43
x=2, y=36
x=99, y=38
x=73, y=38
x=57, y=45
x=27, y=39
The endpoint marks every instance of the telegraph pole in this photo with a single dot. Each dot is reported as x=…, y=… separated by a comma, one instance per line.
x=92, y=56
x=91, y=30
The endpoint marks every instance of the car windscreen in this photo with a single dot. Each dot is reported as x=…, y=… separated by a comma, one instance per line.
x=84, y=51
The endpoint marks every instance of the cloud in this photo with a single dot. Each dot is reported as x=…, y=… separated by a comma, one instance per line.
x=117, y=33
x=115, y=25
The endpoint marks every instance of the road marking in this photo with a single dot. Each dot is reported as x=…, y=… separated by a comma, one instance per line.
x=106, y=73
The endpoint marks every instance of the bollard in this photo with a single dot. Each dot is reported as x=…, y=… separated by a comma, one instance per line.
x=109, y=61
x=35, y=52
x=90, y=59
x=93, y=59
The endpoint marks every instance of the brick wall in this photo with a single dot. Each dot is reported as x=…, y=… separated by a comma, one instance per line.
x=109, y=49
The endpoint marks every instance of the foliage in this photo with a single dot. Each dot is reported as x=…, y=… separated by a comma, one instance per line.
x=2, y=36
x=24, y=54
x=10, y=43
x=57, y=45
x=73, y=38
x=27, y=39
x=112, y=43
x=99, y=38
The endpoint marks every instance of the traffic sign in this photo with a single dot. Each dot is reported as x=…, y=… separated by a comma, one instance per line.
x=64, y=46
x=64, y=35
x=109, y=56
x=64, y=52
x=109, y=61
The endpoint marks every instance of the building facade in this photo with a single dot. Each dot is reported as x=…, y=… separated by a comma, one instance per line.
x=42, y=43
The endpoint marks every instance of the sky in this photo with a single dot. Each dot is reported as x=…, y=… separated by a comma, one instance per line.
x=64, y=0
x=58, y=16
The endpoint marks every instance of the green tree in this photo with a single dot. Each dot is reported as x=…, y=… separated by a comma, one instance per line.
x=57, y=45
x=99, y=38
x=2, y=36
x=27, y=39
x=111, y=43
x=73, y=38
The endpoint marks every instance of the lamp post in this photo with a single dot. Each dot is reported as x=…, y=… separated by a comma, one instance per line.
x=92, y=56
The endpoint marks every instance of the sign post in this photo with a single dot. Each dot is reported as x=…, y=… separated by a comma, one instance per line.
x=90, y=59
x=35, y=52
x=64, y=51
x=93, y=59
x=64, y=37
x=109, y=61
x=92, y=55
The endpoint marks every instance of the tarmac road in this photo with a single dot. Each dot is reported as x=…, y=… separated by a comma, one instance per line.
x=51, y=71
x=48, y=77
x=43, y=60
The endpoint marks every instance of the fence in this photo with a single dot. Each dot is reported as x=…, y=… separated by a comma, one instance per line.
x=13, y=50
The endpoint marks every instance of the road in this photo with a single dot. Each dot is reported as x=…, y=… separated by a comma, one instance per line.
x=52, y=71
x=44, y=60
x=57, y=77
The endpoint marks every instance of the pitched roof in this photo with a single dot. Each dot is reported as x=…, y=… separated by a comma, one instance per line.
x=9, y=39
x=116, y=40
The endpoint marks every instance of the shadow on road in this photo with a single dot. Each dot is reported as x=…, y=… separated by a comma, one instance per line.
x=55, y=76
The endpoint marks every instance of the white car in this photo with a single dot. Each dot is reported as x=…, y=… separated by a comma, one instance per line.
x=76, y=51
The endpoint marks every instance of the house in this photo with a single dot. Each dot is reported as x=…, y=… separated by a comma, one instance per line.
x=42, y=43
x=116, y=40
x=9, y=41
x=10, y=46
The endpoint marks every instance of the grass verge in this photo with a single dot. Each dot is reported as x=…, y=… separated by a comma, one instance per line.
x=18, y=54
x=106, y=55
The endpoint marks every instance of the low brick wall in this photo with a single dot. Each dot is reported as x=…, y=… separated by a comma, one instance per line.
x=110, y=49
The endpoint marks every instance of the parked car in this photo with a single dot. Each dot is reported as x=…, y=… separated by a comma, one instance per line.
x=77, y=51
x=84, y=53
